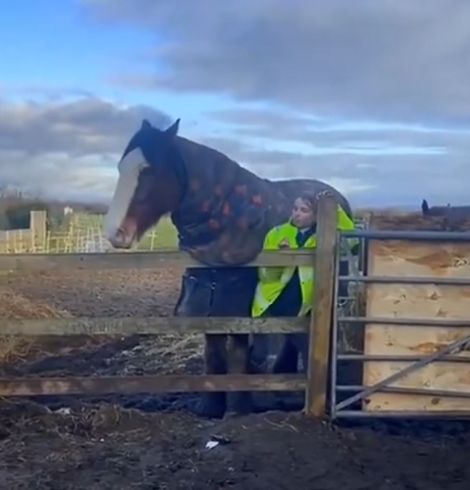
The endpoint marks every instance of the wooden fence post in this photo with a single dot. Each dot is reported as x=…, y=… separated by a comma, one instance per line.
x=321, y=316
x=38, y=229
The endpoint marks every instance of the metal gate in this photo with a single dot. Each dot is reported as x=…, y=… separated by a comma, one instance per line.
x=348, y=393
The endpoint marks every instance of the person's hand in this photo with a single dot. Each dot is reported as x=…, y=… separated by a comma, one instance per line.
x=284, y=244
x=325, y=193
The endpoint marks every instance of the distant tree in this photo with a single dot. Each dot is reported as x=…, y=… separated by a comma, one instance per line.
x=18, y=214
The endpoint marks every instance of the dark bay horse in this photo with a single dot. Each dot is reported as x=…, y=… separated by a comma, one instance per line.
x=222, y=213
x=453, y=215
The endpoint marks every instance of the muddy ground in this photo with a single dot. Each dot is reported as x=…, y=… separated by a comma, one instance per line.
x=150, y=442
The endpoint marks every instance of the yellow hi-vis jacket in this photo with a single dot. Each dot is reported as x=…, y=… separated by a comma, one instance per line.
x=272, y=280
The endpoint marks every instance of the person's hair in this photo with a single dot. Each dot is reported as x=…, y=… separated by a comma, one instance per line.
x=310, y=198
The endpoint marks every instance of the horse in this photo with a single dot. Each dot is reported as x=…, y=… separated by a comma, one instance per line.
x=222, y=212
x=454, y=216
x=434, y=210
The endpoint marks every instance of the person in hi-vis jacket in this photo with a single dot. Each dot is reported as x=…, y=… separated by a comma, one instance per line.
x=288, y=291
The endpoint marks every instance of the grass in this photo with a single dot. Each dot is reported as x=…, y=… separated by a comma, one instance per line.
x=164, y=235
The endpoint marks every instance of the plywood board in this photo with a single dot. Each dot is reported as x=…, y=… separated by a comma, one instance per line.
x=418, y=301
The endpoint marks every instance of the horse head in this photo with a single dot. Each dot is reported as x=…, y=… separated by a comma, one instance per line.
x=150, y=184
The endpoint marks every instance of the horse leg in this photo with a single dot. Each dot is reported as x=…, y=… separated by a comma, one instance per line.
x=300, y=340
x=287, y=359
x=195, y=301
x=239, y=402
x=258, y=353
x=215, y=358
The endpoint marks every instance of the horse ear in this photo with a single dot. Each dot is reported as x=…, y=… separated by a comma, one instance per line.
x=172, y=131
x=145, y=124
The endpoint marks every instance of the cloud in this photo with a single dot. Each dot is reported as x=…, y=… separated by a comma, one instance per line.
x=371, y=95
x=57, y=175
x=325, y=136
x=369, y=59
x=82, y=126
x=67, y=148
x=394, y=167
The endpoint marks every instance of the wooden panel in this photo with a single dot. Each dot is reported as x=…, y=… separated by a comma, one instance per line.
x=419, y=301
x=130, y=260
x=150, y=325
x=150, y=384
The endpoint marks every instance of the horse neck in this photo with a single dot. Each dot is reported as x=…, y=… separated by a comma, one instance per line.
x=211, y=179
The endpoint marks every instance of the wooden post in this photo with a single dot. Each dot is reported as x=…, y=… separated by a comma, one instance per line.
x=321, y=316
x=38, y=227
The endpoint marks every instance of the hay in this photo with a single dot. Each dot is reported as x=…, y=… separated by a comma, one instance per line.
x=15, y=349
x=13, y=305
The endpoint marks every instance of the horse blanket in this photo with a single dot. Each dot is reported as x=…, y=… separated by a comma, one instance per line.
x=222, y=221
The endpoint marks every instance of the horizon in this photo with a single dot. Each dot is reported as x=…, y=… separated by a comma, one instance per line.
x=371, y=98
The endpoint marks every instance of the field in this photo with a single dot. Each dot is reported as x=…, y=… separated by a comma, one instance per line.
x=158, y=442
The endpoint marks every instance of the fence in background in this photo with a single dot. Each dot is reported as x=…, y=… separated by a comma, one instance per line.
x=27, y=240
x=82, y=233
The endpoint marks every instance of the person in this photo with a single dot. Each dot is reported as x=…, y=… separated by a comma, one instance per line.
x=288, y=291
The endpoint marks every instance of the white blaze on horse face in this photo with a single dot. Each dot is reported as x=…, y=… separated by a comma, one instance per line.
x=129, y=170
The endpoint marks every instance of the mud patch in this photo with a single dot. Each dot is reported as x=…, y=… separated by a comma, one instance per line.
x=107, y=447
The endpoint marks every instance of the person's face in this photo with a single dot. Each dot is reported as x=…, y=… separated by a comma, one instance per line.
x=303, y=215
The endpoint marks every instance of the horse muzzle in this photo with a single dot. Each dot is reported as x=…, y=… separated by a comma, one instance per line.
x=125, y=236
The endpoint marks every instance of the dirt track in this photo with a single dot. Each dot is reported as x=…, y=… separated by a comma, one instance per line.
x=92, y=444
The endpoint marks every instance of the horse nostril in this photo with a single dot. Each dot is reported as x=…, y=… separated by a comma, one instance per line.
x=118, y=237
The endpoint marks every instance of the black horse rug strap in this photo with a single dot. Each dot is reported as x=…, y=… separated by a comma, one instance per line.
x=227, y=210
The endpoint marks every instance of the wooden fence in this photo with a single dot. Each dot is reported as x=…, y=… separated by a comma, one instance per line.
x=319, y=324
x=29, y=239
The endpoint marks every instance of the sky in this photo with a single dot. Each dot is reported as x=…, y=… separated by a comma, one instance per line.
x=371, y=96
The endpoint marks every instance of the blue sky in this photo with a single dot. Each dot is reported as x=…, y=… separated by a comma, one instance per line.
x=53, y=44
x=373, y=99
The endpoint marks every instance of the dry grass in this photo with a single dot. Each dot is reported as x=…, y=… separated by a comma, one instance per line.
x=14, y=348
x=415, y=221
x=14, y=305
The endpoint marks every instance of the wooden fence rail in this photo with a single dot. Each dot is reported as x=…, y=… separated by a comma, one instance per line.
x=318, y=326
x=140, y=260
x=151, y=325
